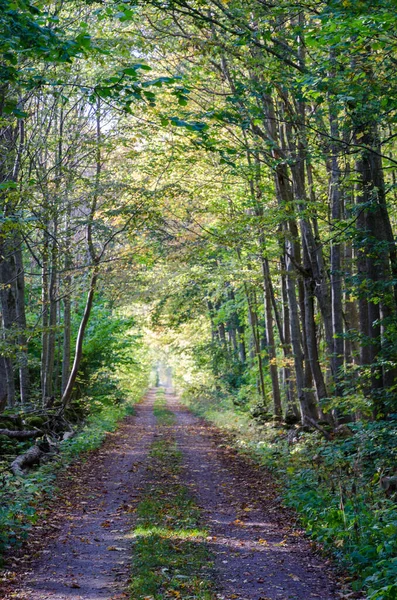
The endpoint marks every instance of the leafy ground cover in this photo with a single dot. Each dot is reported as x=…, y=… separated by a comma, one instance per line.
x=171, y=559
x=333, y=486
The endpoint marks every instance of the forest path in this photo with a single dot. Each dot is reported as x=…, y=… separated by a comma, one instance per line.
x=257, y=555
x=89, y=555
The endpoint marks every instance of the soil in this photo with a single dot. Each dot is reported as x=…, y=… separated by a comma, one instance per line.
x=81, y=548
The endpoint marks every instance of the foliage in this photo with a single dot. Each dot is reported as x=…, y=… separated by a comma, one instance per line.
x=228, y=169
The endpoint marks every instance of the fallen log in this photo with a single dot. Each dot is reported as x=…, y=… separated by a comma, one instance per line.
x=31, y=457
x=12, y=418
x=20, y=435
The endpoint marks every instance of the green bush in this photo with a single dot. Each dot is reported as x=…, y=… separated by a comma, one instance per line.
x=335, y=489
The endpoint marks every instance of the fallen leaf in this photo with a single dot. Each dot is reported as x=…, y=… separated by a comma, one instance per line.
x=263, y=542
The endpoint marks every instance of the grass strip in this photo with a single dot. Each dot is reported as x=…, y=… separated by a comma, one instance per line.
x=164, y=416
x=171, y=559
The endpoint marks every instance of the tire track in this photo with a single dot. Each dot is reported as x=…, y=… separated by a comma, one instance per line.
x=89, y=558
x=257, y=556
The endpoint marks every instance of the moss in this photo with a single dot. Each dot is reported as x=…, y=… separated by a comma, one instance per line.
x=6, y=424
x=35, y=421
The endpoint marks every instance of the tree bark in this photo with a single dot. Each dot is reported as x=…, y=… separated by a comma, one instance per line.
x=67, y=394
x=3, y=384
x=20, y=435
x=252, y=318
x=66, y=397
x=307, y=408
x=45, y=318
x=271, y=346
x=336, y=255
x=52, y=316
x=23, y=362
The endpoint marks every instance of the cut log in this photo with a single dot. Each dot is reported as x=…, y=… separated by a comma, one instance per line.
x=20, y=435
x=31, y=457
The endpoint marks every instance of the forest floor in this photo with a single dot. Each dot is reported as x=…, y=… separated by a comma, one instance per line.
x=166, y=508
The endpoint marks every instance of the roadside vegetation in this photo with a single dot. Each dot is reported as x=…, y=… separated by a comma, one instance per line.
x=109, y=389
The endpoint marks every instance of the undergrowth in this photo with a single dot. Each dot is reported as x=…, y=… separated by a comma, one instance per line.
x=333, y=486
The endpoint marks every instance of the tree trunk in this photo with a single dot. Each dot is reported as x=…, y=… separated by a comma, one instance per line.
x=3, y=384
x=80, y=338
x=45, y=318
x=20, y=435
x=374, y=263
x=23, y=362
x=9, y=168
x=271, y=346
x=8, y=311
x=311, y=341
x=252, y=318
x=307, y=407
x=52, y=316
x=336, y=262
x=288, y=380
x=66, y=354
x=67, y=394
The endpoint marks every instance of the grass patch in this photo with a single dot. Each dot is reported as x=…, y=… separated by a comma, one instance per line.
x=163, y=415
x=171, y=559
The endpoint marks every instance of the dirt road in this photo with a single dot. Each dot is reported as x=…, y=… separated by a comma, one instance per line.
x=257, y=555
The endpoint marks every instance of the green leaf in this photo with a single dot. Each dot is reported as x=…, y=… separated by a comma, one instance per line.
x=132, y=69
